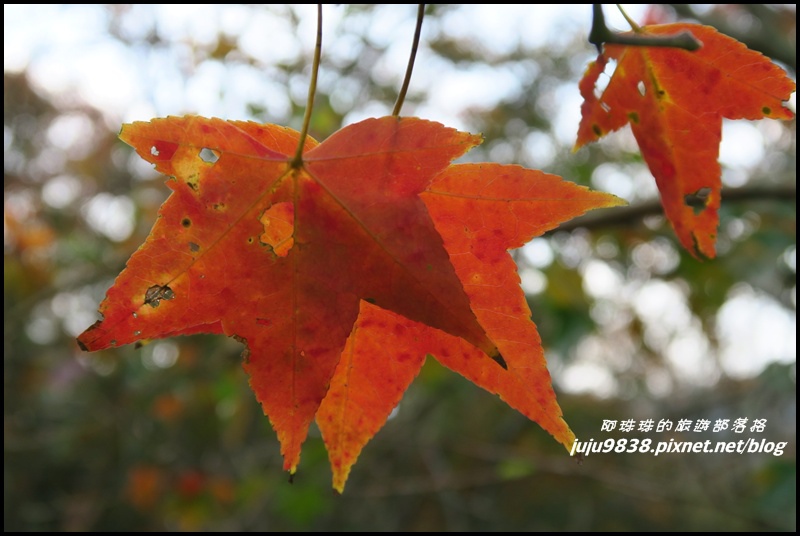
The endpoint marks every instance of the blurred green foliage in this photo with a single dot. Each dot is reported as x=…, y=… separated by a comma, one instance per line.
x=169, y=436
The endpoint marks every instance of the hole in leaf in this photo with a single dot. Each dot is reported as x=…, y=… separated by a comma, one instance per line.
x=641, y=88
x=156, y=293
x=194, y=247
x=603, y=80
x=163, y=150
x=766, y=110
x=606, y=108
x=209, y=156
x=698, y=200
x=186, y=222
x=596, y=129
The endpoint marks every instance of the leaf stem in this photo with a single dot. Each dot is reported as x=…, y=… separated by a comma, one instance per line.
x=401, y=97
x=635, y=27
x=600, y=34
x=297, y=161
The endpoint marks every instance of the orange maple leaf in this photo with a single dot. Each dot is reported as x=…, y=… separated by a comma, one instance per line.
x=341, y=274
x=675, y=101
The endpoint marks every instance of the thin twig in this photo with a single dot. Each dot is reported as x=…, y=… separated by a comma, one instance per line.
x=635, y=27
x=403, y=90
x=297, y=161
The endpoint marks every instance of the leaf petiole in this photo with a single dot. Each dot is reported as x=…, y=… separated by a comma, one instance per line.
x=635, y=27
x=297, y=161
x=401, y=97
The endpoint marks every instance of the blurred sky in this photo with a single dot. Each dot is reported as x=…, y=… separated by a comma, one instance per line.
x=67, y=49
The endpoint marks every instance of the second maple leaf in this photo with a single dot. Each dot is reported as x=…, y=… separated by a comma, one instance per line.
x=675, y=101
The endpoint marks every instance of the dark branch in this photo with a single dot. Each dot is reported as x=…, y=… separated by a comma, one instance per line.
x=600, y=34
x=627, y=215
